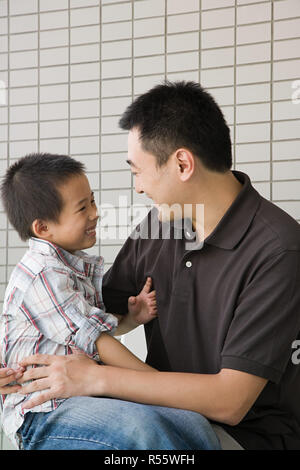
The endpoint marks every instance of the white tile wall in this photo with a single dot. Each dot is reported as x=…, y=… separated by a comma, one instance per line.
x=72, y=66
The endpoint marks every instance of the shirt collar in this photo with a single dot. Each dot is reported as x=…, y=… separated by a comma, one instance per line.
x=79, y=261
x=233, y=225
x=236, y=221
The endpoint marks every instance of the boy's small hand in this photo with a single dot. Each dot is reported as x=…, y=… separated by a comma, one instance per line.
x=142, y=308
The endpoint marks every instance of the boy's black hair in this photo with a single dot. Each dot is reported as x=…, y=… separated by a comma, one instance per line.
x=181, y=114
x=29, y=189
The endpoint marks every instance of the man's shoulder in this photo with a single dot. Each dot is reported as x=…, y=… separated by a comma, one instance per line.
x=277, y=227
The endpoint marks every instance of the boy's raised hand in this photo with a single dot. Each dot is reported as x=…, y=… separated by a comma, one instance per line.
x=142, y=308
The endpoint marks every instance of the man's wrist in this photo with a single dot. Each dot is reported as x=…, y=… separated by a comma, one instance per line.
x=101, y=381
x=96, y=384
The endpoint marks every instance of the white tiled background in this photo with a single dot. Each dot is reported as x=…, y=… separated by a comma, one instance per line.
x=70, y=67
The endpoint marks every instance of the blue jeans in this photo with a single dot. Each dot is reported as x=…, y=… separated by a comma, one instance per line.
x=108, y=424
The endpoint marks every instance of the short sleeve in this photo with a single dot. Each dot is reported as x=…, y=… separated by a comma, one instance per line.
x=62, y=314
x=266, y=320
x=119, y=282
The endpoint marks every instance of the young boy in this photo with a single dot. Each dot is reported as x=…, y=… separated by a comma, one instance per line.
x=53, y=302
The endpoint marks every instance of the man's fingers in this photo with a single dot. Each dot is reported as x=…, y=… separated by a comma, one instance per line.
x=43, y=359
x=35, y=373
x=36, y=385
x=38, y=400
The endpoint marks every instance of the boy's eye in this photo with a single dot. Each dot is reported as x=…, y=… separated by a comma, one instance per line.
x=82, y=209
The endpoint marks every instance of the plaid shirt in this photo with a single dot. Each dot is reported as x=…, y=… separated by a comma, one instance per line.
x=53, y=305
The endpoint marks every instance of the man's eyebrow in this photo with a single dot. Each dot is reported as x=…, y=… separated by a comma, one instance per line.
x=130, y=162
x=83, y=200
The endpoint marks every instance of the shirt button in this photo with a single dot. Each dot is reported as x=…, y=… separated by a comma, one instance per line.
x=188, y=264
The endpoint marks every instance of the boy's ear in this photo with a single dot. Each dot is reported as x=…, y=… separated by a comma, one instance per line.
x=39, y=228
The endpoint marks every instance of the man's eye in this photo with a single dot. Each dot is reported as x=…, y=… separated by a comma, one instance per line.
x=93, y=201
x=82, y=209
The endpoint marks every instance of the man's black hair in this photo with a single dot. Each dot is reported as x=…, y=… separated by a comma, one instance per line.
x=29, y=189
x=181, y=114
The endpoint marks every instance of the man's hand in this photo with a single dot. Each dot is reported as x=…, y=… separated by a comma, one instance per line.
x=62, y=377
x=142, y=308
x=7, y=376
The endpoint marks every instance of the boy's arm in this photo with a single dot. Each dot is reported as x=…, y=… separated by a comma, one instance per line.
x=125, y=325
x=62, y=314
x=113, y=353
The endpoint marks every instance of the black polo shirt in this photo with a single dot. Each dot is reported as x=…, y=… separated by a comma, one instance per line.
x=232, y=303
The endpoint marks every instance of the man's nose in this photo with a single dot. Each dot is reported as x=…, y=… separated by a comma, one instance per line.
x=138, y=187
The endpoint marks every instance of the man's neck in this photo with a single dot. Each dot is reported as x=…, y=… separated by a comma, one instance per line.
x=216, y=192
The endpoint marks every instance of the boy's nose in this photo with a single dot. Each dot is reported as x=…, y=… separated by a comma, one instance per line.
x=94, y=214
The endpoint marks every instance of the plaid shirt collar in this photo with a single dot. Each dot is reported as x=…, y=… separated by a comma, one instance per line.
x=79, y=261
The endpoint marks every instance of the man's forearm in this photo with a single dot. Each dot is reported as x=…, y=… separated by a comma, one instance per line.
x=193, y=392
x=223, y=397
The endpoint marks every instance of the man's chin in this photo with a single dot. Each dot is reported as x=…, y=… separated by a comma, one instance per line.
x=166, y=213
x=163, y=215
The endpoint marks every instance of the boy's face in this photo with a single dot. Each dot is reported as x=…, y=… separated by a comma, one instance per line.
x=76, y=226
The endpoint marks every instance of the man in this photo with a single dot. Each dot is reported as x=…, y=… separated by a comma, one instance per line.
x=226, y=285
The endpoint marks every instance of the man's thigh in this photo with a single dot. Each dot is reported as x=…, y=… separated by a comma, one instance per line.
x=110, y=424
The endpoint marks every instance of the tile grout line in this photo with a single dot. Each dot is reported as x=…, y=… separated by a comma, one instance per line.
x=8, y=137
x=271, y=100
x=132, y=99
x=69, y=77
x=100, y=116
x=234, y=86
x=38, y=78
x=200, y=41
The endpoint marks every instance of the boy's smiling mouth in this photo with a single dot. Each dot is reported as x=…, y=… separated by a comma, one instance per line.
x=91, y=230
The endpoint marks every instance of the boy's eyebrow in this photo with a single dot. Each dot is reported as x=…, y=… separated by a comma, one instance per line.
x=130, y=162
x=83, y=200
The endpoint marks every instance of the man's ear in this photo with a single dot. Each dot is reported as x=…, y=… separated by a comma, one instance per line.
x=186, y=163
x=40, y=228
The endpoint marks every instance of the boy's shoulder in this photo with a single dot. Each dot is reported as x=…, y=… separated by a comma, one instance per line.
x=34, y=262
x=30, y=267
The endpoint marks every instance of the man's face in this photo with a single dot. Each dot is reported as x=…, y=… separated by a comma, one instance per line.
x=158, y=183
x=76, y=227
